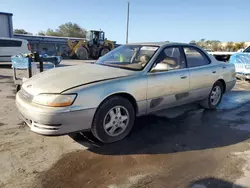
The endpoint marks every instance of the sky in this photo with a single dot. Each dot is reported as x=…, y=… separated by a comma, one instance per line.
x=150, y=20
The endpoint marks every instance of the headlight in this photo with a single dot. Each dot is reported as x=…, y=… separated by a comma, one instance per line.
x=54, y=100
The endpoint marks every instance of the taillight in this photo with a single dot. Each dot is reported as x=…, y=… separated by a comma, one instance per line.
x=28, y=45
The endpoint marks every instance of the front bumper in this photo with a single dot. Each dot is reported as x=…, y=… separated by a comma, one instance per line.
x=53, y=121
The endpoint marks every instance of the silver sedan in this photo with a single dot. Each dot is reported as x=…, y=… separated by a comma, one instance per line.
x=130, y=81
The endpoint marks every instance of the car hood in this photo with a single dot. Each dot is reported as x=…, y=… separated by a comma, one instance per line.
x=60, y=79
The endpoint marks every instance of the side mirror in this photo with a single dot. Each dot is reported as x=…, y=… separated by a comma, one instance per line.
x=159, y=67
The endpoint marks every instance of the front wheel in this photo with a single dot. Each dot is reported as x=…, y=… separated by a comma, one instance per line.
x=214, y=97
x=81, y=53
x=113, y=120
x=104, y=51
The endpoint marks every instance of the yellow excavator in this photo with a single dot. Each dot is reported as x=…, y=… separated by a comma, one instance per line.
x=93, y=47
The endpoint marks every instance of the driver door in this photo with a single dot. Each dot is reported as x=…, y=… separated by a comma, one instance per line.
x=170, y=86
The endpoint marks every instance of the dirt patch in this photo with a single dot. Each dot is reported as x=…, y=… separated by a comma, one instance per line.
x=245, y=156
x=85, y=169
x=13, y=91
x=2, y=124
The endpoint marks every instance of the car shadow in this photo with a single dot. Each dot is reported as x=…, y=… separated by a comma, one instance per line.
x=5, y=65
x=213, y=183
x=5, y=77
x=194, y=130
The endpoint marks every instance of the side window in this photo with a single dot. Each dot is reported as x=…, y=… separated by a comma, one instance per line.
x=195, y=58
x=10, y=43
x=170, y=59
x=101, y=36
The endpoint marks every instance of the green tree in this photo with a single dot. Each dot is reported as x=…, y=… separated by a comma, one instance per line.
x=41, y=33
x=215, y=45
x=230, y=47
x=21, y=31
x=71, y=30
x=51, y=32
x=239, y=45
x=66, y=30
x=202, y=43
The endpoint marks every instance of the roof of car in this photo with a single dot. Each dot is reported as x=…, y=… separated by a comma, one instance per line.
x=159, y=43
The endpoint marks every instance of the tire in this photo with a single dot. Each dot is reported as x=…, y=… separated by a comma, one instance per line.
x=211, y=103
x=81, y=53
x=103, y=119
x=104, y=51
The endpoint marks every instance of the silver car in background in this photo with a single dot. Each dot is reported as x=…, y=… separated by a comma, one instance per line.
x=131, y=80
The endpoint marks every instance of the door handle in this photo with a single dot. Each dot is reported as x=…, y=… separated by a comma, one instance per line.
x=183, y=76
x=214, y=71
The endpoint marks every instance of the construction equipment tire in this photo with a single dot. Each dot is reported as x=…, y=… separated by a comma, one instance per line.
x=104, y=51
x=82, y=53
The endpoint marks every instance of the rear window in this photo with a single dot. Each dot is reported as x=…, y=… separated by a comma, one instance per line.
x=10, y=43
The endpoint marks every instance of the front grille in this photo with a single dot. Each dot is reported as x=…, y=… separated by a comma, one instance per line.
x=25, y=95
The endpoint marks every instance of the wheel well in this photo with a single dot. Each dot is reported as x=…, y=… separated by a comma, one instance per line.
x=126, y=96
x=223, y=83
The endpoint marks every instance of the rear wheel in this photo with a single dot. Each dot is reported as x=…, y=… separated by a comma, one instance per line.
x=81, y=53
x=214, y=97
x=113, y=120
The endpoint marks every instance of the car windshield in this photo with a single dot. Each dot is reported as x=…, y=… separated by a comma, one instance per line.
x=133, y=57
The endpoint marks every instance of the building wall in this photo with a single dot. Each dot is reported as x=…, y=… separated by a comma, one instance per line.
x=50, y=45
x=6, y=29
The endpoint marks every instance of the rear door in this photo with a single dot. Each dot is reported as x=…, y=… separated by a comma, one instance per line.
x=203, y=73
x=170, y=87
x=10, y=47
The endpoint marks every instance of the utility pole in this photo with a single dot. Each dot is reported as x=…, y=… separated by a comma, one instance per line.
x=127, y=23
